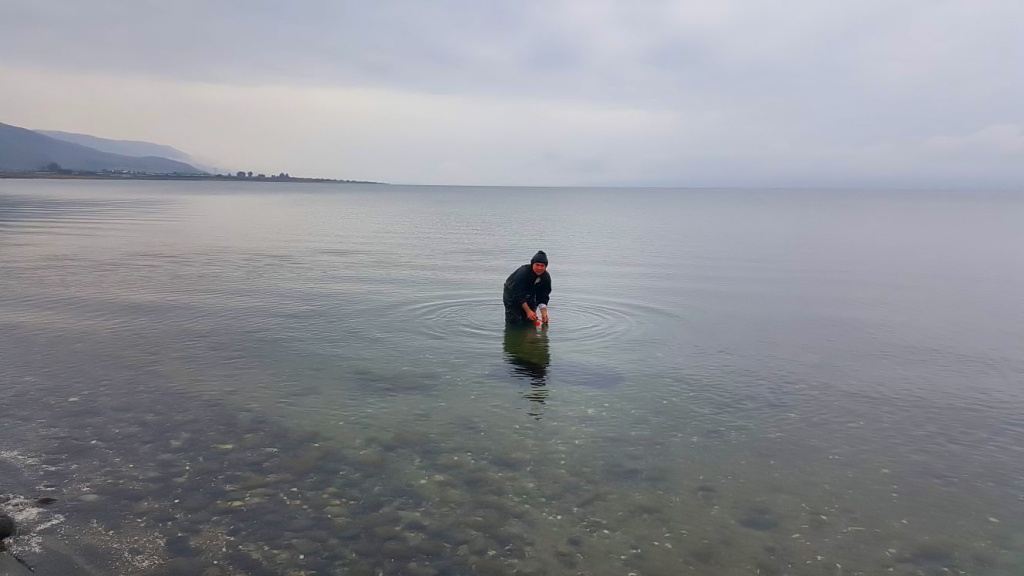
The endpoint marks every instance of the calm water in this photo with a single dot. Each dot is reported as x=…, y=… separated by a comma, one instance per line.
x=265, y=379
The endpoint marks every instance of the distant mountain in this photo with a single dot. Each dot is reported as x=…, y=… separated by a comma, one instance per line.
x=124, y=147
x=25, y=150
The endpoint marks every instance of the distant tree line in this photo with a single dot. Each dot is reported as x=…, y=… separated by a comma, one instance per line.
x=56, y=169
x=108, y=173
x=281, y=176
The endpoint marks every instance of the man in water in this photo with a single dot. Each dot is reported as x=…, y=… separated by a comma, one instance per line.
x=527, y=288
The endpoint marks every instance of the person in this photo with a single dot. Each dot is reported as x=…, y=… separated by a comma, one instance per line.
x=528, y=287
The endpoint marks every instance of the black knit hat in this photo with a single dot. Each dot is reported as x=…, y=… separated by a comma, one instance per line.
x=540, y=256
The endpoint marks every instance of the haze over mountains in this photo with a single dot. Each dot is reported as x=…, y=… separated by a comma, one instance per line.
x=23, y=150
x=134, y=148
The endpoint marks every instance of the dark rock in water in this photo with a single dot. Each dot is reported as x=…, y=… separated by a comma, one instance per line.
x=318, y=566
x=304, y=546
x=181, y=546
x=431, y=549
x=360, y=568
x=299, y=525
x=929, y=552
x=490, y=566
x=200, y=518
x=385, y=533
x=245, y=561
x=271, y=533
x=163, y=517
x=320, y=536
x=624, y=471
x=452, y=535
x=394, y=550
x=759, y=518
x=197, y=503
x=7, y=528
x=705, y=554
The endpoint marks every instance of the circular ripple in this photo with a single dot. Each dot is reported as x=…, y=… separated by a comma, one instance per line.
x=469, y=317
x=586, y=320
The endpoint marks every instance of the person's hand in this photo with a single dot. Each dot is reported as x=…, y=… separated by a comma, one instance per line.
x=531, y=315
x=544, y=315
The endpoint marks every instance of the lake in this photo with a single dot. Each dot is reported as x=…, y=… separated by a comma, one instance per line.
x=227, y=378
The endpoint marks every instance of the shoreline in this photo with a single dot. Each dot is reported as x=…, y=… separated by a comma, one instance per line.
x=42, y=533
x=175, y=178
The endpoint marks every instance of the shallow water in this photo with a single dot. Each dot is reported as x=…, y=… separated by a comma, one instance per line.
x=269, y=378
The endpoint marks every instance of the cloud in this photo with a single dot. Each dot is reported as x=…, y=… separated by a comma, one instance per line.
x=537, y=92
x=357, y=133
x=1005, y=140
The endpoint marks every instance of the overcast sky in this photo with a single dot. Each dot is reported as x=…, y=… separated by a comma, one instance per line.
x=519, y=92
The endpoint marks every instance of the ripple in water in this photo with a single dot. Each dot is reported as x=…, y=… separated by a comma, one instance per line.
x=26, y=213
x=581, y=320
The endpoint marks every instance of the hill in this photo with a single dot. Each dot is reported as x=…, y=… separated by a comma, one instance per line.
x=134, y=148
x=25, y=150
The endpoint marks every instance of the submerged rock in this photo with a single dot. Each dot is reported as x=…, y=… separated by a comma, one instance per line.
x=759, y=517
x=7, y=528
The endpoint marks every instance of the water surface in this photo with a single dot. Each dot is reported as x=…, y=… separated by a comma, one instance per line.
x=270, y=378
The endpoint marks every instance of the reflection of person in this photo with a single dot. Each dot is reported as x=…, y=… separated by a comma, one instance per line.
x=527, y=288
x=526, y=349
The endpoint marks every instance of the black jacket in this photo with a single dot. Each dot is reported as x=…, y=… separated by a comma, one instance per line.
x=525, y=286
